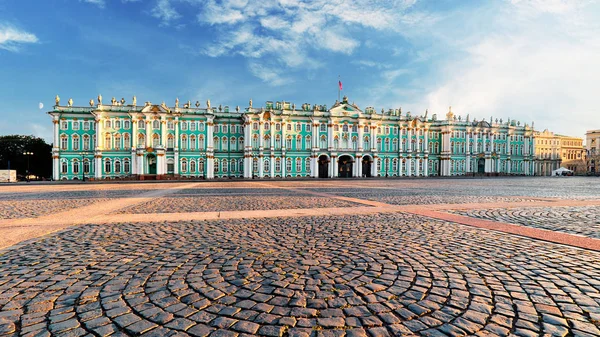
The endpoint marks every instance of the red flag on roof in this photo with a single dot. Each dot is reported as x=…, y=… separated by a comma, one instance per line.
x=340, y=84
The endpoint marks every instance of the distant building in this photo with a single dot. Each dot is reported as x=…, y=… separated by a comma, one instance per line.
x=573, y=154
x=547, y=152
x=280, y=140
x=592, y=143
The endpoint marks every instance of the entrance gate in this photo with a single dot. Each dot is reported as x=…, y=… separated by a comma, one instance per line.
x=345, y=167
x=323, y=166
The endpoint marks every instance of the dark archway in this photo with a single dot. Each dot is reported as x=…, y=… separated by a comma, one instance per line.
x=151, y=159
x=323, y=166
x=481, y=165
x=366, y=166
x=345, y=166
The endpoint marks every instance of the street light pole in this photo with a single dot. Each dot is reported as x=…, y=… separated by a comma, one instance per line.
x=27, y=172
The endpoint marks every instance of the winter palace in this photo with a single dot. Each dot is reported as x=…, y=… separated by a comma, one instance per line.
x=150, y=141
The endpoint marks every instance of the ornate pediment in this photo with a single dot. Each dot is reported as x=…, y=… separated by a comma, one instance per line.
x=153, y=108
x=345, y=108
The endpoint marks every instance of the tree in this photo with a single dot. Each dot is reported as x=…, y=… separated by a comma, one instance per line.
x=13, y=147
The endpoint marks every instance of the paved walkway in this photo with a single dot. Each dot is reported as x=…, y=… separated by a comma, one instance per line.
x=315, y=258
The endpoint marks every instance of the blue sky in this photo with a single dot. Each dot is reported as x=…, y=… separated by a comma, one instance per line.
x=530, y=60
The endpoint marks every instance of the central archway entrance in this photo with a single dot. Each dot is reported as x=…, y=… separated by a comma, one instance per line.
x=345, y=166
x=366, y=166
x=151, y=160
x=481, y=165
x=323, y=166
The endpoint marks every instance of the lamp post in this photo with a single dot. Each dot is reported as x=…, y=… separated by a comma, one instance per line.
x=28, y=154
x=82, y=154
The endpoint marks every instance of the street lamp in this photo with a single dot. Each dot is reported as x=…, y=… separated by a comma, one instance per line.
x=82, y=154
x=28, y=154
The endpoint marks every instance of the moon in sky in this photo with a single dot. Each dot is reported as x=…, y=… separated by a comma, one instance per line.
x=41, y=105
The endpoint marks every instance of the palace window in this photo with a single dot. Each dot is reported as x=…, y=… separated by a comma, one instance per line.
x=387, y=144
x=336, y=128
x=254, y=126
x=201, y=165
x=193, y=126
x=117, y=166
x=64, y=125
x=107, y=167
x=75, y=166
x=107, y=124
x=354, y=128
x=141, y=124
x=86, y=142
x=127, y=167
x=267, y=142
x=75, y=143
x=254, y=166
x=224, y=144
x=201, y=142
x=192, y=142
x=107, y=141
x=224, y=165
x=184, y=165
x=394, y=165
x=277, y=127
x=64, y=167
x=233, y=144
x=192, y=166
x=278, y=165
x=379, y=144
x=323, y=127
x=86, y=125
x=307, y=143
x=155, y=140
x=336, y=142
x=354, y=143
x=298, y=165
x=395, y=145
x=288, y=143
x=201, y=126
x=117, y=124
x=86, y=166
x=184, y=126
x=156, y=124
x=289, y=127
x=298, y=143
x=141, y=141
x=75, y=125
x=170, y=141
x=307, y=165
x=255, y=142
x=308, y=127
x=216, y=143
x=366, y=128
x=298, y=127
x=323, y=142
x=345, y=128
x=288, y=165
x=170, y=125
x=126, y=141
x=184, y=142
x=267, y=126
x=117, y=141
x=266, y=166
x=366, y=143
x=216, y=168
x=126, y=124
x=241, y=143
x=345, y=142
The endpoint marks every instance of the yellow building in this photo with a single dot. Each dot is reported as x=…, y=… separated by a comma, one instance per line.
x=573, y=154
x=547, y=152
x=592, y=143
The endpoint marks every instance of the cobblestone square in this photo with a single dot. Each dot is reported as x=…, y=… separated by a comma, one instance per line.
x=434, y=257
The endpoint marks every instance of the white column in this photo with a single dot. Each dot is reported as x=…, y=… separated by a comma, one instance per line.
x=99, y=137
x=334, y=161
x=99, y=167
x=330, y=135
x=134, y=134
x=210, y=159
x=425, y=167
x=359, y=172
x=247, y=150
x=176, y=149
x=56, y=144
x=283, y=165
x=261, y=165
x=133, y=161
x=409, y=167
x=313, y=165
x=148, y=133
x=400, y=167
x=163, y=131
x=373, y=138
x=55, y=167
x=272, y=166
x=140, y=163
x=315, y=135
x=360, y=139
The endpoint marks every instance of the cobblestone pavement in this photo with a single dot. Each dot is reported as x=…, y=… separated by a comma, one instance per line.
x=274, y=265
x=574, y=220
x=232, y=203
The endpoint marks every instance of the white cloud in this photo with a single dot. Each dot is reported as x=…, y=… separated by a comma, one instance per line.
x=270, y=75
x=11, y=38
x=164, y=11
x=99, y=3
x=538, y=62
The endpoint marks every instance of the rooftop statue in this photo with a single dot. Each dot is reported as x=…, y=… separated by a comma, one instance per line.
x=293, y=106
x=113, y=101
x=189, y=104
x=99, y=99
x=208, y=104
x=57, y=100
x=197, y=104
x=237, y=108
x=467, y=117
x=70, y=102
x=250, y=103
x=122, y=101
x=177, y=102
x=91, y=102
x=134, y=101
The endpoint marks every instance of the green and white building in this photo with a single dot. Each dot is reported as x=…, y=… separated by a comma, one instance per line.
x=107, y=141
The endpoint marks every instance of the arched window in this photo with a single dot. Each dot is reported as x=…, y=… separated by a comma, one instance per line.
x=117, y=142
x=298, y=165
x=224, y=144
x=345, y=127
x=289, y=127
x=366, y=143
x=75, y=143
x=366, y=128
x=156, y=124
x=192, y=166
x=395, y=145
x=379, y=144
x=141, y=141
x=141, y=124
x=323, y=142
x=336, y=127
x=224, y=165
x=64, y=167
x=107, y=124
x=298, y=143
x=387, y=144
x=184, y=142
x=107, y=167
x=192, y=142
x=354, y=143
x=266, y=166
x=155, y=140
x=267, y=143
x=241, y=143
x=184, y=165
x=170, y=141
x=233, y=144
x=126, y=166
x=336, y=142
x=354, y=128
x=127, y=141
x=277, y=142
x=307, y=143
x=201, y=142
x=267, y=126
x=307, y=165
x=107, y=139
x=288, y=142
x=288, y=165
x=233, y=166
x=298, y=127
x=117, y=166
x=75, y=166
x=255, y=166
x=86, y=166
x=201, y=165
x=278, y=165
x=216, y=143
x=255, y=142
x=395, y=165
x=86, y=142
x=323, y=127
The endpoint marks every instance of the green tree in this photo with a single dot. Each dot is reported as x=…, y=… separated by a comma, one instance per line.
x=13, y=147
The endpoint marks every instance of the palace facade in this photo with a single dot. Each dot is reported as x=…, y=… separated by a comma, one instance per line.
x=113, y=140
